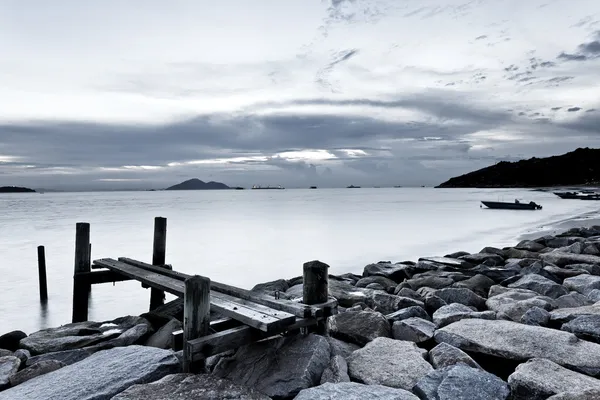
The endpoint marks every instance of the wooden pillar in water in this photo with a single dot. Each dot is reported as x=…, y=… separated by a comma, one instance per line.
x=316, y=287
x=42, y=274
x=159, y=250
x=81, y=290
x=196, y=318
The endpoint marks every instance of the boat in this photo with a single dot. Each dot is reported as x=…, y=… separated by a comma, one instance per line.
x=257, y=187
x=516, y=205
x=352, y=187
x=313, y=187
x=582, y=195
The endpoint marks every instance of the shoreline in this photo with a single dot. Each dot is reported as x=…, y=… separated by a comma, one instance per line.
x=501, y=319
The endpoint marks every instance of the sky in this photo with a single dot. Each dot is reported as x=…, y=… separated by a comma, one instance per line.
x=146, y=93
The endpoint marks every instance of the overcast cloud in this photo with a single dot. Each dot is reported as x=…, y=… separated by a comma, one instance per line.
x=145, y=94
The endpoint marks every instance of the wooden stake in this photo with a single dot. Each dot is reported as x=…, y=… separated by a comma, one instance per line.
x=196, y=318
x=81, y=289
x=315, y=287
x=42, y=274
x=159, y=249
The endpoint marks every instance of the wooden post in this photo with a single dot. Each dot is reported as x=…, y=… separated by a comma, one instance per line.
x=316, y=287
x=196, y=318
x=81, y=289
x=42, y=274
x=159, y=248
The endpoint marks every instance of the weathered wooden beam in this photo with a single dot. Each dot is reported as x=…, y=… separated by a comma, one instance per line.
x=316, y=286
x=102, y=276
x=215, y=326
x=159, y=250
x=196, y=317
x=42, y=274
x=81, y=290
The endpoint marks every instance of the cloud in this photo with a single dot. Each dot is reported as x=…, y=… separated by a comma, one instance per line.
x=573, y=109
x=585, y=51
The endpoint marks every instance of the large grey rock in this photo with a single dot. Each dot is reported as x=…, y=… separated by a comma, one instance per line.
x=536, y=316
x=413, y=330
x=561, y=259
x=395, y=272
x=389, y=362
x=585, y=327
x=593, y=295
x=388, y=303
x=78, y=335
x=270, y=288
x=448, y=261
x=589, y=394
x=133, y=335
x=572, y=299
x=591, y=250
x=480, y=258
x=341, y=348
x=162, y=338
x=67, y=357
x=408, y=312
x=336, y=371
x=462, y=296
x=513, y=303
x=539, y=378
x=575, y=248
x=190, y=387
x=530, y=245
x=435, y=282
x=358, y=327
x=100, y=376
x=354, y=391
x=41, y=368
x=541, y=285
x=387, y=283
x=402, y=290
x=4, y=353
x=445, y=355
x=479, y=284
x=22, y=355
x=9, y=366
x=455, y=312
x=582, y=283
x=279, y=367
x=516, y=341
x=461, y=382
x=567, y=314
x=10, y=341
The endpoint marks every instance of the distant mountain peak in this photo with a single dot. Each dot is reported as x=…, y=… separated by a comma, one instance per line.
x=197, y=184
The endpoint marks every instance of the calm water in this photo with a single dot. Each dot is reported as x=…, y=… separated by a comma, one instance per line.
x=243, y=237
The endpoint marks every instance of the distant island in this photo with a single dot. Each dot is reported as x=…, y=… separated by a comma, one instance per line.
x=197, y=184
x=580, y=167
x=15, y=189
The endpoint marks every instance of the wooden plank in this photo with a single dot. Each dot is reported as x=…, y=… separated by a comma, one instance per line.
x=159, y=246
x=196, y=318
x=158, y=281
x=297, y=309
x=42, y=274
x=233, y=338
x=215, y=326
x=102, y=276
x=81, y=290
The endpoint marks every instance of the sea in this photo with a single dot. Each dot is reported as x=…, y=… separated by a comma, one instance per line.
x=245, y=237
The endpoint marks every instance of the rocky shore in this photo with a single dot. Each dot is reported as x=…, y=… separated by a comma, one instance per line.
x=515, y=323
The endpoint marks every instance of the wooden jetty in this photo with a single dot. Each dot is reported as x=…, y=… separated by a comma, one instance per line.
x=247, y=316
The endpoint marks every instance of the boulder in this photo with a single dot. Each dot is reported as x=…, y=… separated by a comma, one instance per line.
x=389, y=362
x=511, y=252
x=22, y=355
x=461, y=382
x=487, y=258
x=497, y=274
x=10, y=341
x=336, y=371
x=530, y=245
x=386, y=283
x=100, y=376
x=582, y=283
x=388, y=303
x=591, y=250
x=435, y=282
x=560, y=274
x=271, y=288
x=586, y=327
x=190, y=387
x=593, y=295
x=445, y=355
x=408, y=312
x=490, y=250
x=358, y=327
x=4, y=353
x=404, y=291
x=341, y=348
x=37, y=369
x=479, y=284
x=563, y=315
x=513, y=303
x=462, y=253
x=561, y=259
x=354, y=391
x=438, y=262
x=539, y=378
x=413, y=330
x=346, y=294
x=536, y=316
x=589, y=394
x=575, y=248
x=279, y=367
x=375, y=286
x=433, y=303
x=163, y=337
x=455, y=312
x=572, y=299
x=516, y=341
x=9, y=366
x=461, y=296
x=78, y=335
x=67, y=357
x=395, y=272
x=541, y=285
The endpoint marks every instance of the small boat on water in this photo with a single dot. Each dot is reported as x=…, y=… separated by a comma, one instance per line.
x=353, y=187
x=258, y=187
x=582, y=195
x=517, y=205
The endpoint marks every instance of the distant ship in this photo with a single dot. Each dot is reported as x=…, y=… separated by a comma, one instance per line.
x=353, y=187
x=267, y=187
x=313, y=187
